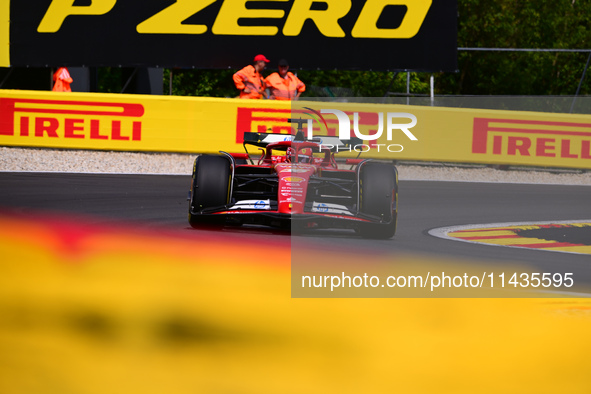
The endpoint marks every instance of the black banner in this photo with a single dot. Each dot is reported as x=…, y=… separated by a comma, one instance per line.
x=332, y=34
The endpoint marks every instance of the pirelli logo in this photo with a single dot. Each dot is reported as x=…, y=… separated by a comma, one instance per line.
x=261, y=120
x=71, y=119
x=514, y=137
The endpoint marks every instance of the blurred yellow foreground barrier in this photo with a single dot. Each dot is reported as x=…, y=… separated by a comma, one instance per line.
x=117, y=310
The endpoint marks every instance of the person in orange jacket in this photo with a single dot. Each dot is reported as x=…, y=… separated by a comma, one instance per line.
x=284, y=85
x=250, y=81
x=62, y=80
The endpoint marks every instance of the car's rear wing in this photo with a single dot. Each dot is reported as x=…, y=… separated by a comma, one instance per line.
x=264, y=139
x=333, y=143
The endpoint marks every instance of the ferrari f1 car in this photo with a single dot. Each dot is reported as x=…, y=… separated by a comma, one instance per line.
x=295, y=183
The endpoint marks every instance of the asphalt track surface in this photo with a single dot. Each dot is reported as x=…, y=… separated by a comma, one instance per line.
x=159, y=201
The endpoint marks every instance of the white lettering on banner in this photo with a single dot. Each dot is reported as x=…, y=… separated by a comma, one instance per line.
x=345, y=125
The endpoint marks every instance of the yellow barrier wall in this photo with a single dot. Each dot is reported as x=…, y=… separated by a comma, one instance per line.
x=120, y=121
x=198, y=124
x=4, y=33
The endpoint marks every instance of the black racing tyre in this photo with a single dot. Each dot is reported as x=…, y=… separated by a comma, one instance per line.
x=378, y=189
x=210, y=188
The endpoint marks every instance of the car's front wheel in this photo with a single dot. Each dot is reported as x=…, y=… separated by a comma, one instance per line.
x=378, y=190
x=210, y=188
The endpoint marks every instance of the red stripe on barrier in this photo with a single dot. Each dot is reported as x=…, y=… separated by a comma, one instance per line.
x=546, y=245
x=491, y=237
x=487, y=229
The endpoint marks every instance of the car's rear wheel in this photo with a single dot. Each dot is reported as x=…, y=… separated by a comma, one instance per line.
x=210, y=188
x=378, y=189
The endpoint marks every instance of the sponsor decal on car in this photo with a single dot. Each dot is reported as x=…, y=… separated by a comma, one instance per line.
x=293, y=179
x=296, y=194
x=295, y=170
x=252, y=204
x=330, y=208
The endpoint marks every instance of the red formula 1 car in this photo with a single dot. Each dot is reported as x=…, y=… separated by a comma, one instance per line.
x=296, y=183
